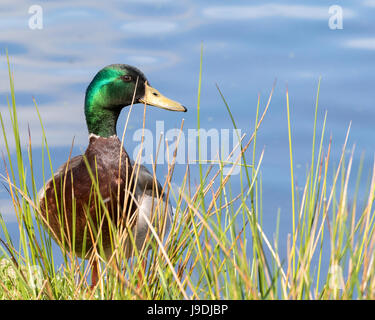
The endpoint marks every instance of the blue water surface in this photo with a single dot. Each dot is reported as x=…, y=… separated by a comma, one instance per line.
x=247, y=45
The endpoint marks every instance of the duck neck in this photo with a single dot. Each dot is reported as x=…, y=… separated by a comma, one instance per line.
x=101, y=119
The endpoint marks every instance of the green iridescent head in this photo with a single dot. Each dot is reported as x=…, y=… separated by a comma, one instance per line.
x=115, y=87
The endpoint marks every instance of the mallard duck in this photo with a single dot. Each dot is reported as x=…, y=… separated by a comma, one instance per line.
x=123, y=192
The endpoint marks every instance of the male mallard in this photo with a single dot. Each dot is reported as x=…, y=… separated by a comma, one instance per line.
x=68, y=203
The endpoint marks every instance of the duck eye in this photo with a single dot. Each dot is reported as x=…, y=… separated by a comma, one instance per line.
x=126, y=78
x=155, y=94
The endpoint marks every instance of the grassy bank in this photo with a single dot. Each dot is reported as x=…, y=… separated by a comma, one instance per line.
x=216, y=248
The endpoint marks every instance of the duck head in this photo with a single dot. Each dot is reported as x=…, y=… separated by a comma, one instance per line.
x=115, y=87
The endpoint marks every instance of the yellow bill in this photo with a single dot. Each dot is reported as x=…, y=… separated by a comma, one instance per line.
x=154, y=98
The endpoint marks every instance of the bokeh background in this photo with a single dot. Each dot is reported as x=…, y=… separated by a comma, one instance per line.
x=246, y=46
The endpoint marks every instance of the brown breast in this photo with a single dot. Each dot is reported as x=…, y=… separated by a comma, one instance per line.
x=72, y=202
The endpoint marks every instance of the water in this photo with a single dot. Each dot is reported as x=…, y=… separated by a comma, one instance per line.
x=247, y=45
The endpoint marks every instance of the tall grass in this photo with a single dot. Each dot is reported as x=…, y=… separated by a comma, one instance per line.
x=216, y=248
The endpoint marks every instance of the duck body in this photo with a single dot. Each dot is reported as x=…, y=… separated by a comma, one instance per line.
x=69, y=203
x=116, y=185
x=76, y=200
